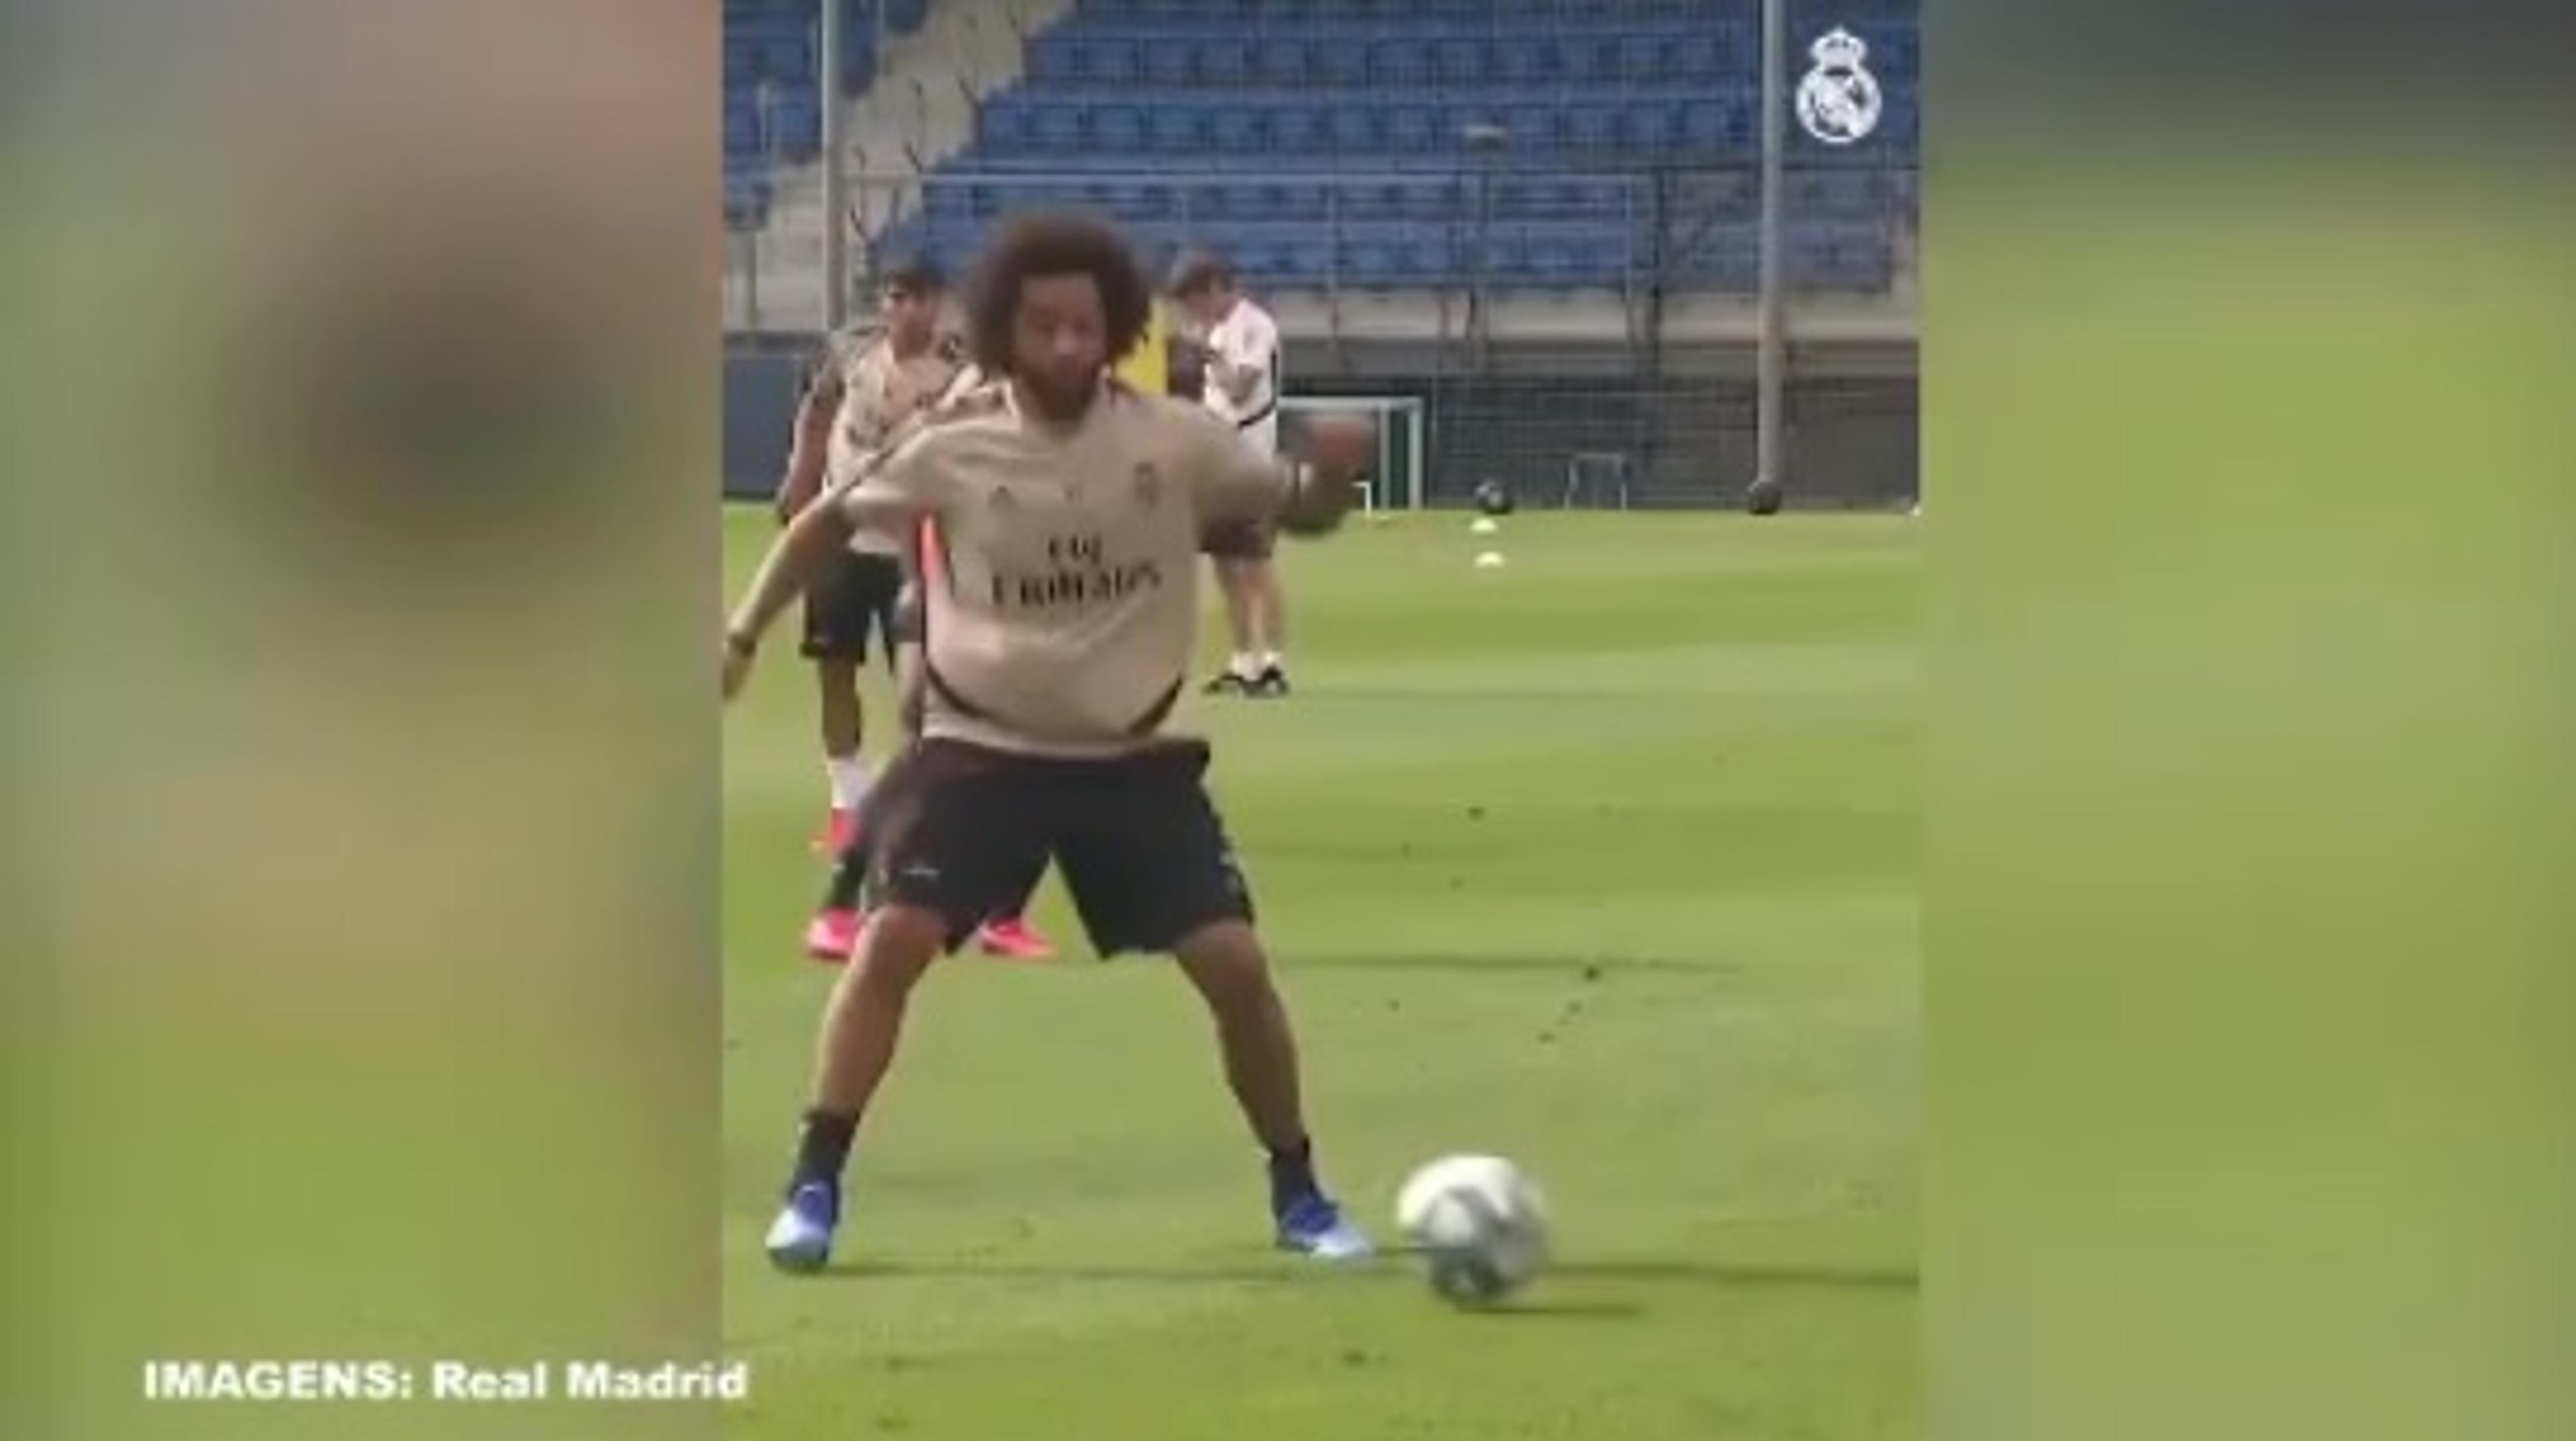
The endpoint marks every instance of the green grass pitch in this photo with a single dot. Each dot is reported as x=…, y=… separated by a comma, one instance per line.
x=1604, y=860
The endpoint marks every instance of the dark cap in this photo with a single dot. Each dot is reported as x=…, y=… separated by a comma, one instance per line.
x=913, y=275
x=1198, y=270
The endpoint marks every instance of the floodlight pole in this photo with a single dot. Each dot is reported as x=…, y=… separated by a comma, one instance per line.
x=836, y=275
x=1771, y=366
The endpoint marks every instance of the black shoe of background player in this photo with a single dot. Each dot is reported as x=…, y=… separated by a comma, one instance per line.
x=1226, y=682
x=1271, y=684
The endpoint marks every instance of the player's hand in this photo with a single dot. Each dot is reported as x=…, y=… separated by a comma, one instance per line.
x=1341, y=447
x=1339, y=450
x=740, y=653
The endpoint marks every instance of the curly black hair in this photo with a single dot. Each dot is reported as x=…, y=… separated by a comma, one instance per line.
x=1051, y=243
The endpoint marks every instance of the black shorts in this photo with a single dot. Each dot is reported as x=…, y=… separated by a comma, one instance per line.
x=897, y=787
x=855, y=598
x=909, y=620
x=1140, y=844
x=1239, y=540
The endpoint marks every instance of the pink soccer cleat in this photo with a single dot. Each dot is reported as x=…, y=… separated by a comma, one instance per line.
x=837, y=833
x=1011, y=939
x=833, y=934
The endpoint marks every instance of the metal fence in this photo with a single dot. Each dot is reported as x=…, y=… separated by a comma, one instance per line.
x=1458, y=232
x=1581, y=338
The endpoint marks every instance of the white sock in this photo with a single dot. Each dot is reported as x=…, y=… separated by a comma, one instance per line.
x=1245, y=664
x=849, y=777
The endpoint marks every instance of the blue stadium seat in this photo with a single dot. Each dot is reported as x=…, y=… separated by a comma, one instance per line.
x=1431, y=198
x=1304, y=202
x=1532, y=126
x=1061, y=128
x=1310, y=262
x=1591, y=58
x=1402, y=60
x=1284, y=61
x=1593, y=126
x=1168, y=62
x=1174, y=130
x=1705, y=125
x=1699, y=55
x=1004, y=125
x=1414, y=129
x=1119, y=129
x=1652, y=125
x=1116, y=64
x=1524, y=60
x=1241, y=130
x=1357, y=128
x=1299, y=128
x=1211, y=203
x=1344, y=63
x=1367, y=258
x=1223, y=62
x=800, y=126
x=1462, y=60
x=1648, y=59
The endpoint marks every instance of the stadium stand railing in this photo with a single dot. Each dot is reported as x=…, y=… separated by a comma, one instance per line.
x=1540, y=218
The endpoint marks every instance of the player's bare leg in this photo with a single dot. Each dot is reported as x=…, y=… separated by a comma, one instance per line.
x=864, y=1017
x=1243, y=665
x=842, y=725
x=1227, y=965
x=1267, y=608
x=862, y=1024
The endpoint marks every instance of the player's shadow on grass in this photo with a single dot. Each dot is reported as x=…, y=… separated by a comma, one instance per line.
x=1591, y=969
x=1744, y=1275
x=1217, y=1273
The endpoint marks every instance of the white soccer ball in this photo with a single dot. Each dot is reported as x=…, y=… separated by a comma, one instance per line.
x=1479, y=1224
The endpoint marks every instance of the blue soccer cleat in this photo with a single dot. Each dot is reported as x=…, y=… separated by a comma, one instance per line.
x=800, y=1240
x=1312, y=1225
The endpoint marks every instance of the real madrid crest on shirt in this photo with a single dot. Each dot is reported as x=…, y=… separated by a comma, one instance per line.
x=1149, y=485
x=1839, y=101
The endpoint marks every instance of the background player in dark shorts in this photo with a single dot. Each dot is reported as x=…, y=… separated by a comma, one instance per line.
x=853, y=602
x=833, y=933
x=867, y=383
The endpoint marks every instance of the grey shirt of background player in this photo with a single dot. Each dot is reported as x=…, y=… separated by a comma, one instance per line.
x=880, y=391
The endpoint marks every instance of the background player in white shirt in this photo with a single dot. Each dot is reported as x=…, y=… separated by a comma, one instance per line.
x=1240, y=354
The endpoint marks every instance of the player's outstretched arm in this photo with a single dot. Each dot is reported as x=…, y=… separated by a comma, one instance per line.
x=812, y=442
x=801, y=553
x=1304, y=499
x=1339, y=449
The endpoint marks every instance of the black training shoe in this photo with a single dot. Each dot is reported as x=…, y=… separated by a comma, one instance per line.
x=1226, y=682
x=1271, y=684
